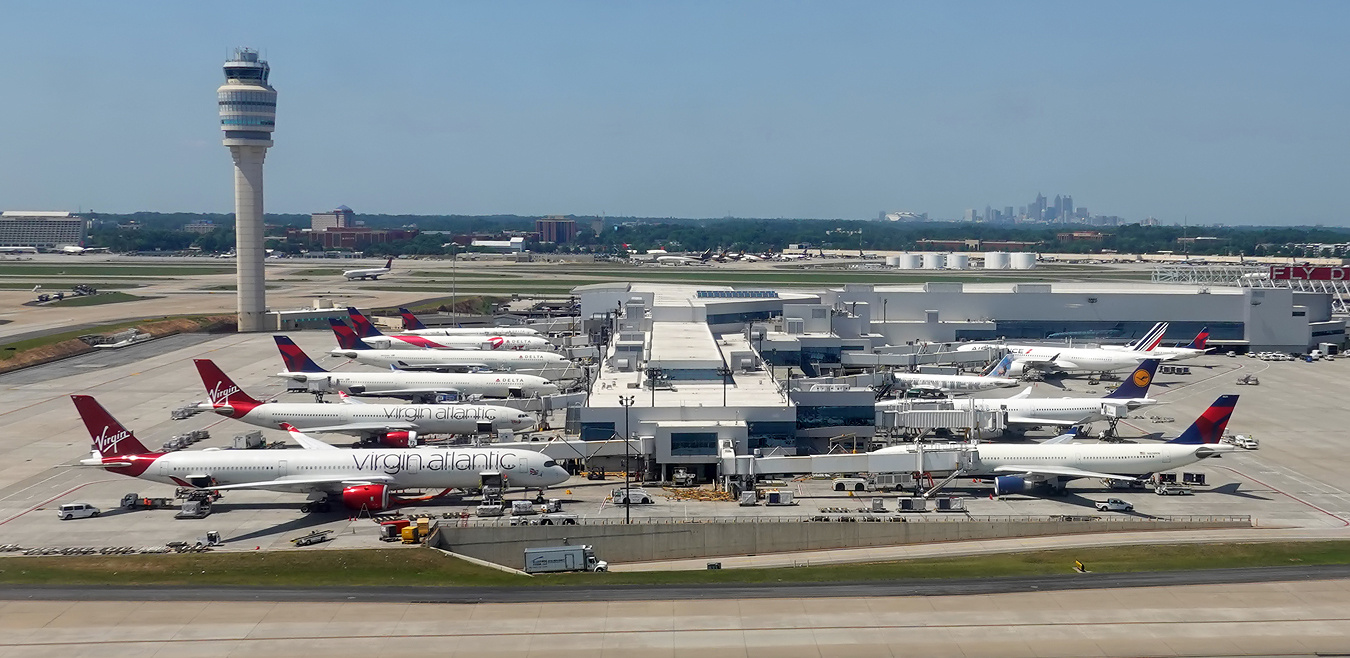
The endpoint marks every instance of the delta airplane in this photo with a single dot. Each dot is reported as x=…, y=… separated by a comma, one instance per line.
x=357, y=479
x=351, y=347
x=1189, y=351
x=1075, y=359
x=419, y=386
x=478, y=340
x=1017, y=468
x=1024, y=410
x=413, y=326
x=991, y=378
x=395, y=425
x=372, y=273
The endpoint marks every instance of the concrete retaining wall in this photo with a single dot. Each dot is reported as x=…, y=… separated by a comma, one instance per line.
x=665, y=541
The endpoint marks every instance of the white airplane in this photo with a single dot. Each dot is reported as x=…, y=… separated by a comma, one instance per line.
x=371, y=273
x=456, y=342
x=1189, y=351
x=420, y=386
x=351, y=347
x=1019, y=467
x=1024, y=410
x=991, y=378
x=413, y=326
x=76, y=250
x=395, y=425
x=368, y=479
x=1074, y=359
x=18, y=250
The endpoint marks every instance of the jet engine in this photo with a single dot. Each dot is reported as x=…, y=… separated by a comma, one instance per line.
x=1009, y=484
x=401, y=439
x=372, y=497
x=1016, y=369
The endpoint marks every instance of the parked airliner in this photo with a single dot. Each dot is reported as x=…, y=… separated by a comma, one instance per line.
x=1189, y=351
x=990, y=379
x=411, y=325
x=351, y=347
x=1019, y=467
x=397, y=425
x=419, y=386
x=1053, y=358
x=357, y=479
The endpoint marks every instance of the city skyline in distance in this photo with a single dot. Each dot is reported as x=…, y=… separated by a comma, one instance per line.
x=1215, y=113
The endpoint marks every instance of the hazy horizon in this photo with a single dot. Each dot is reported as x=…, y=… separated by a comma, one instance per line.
x=1211, y=112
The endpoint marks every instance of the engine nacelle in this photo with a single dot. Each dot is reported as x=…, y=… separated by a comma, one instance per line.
x=1016, y=369
x=401, y=439
x=372, y=497
x=1009, y=484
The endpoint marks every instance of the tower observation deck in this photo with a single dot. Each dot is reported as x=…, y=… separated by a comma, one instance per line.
x=248, y=113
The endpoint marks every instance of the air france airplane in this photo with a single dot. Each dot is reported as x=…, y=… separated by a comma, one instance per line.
x=1052, y=358
x=388, y=424
x=422, y=386
x=357, y=479
x=372, y=273
x=1017, y=468
x=1197, y=347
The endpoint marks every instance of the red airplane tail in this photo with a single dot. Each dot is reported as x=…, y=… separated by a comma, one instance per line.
x=111, y=439
x=222, y=390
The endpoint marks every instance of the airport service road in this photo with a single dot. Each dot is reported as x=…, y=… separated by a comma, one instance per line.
x=1281, y=618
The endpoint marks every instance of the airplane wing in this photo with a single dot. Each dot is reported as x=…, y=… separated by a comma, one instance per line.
x=1023, y=394
x=1061, y=471
x=347, y=399
x=306, y=442
x=443, y=367
x=411, y=391
x=300, y=485
x=362, y=427
x=1063, y=438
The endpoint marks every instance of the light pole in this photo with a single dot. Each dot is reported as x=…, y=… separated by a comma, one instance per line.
x=725, y=372
x=453, y=281
x=652, y=374
x=626, y=401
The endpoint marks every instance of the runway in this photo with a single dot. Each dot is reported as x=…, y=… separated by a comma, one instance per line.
x=1278, y=618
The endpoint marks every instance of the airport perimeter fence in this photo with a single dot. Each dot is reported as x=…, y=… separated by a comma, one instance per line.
x=846, y=517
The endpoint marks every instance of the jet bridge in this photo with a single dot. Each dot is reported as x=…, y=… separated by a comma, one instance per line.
x=936, y=458
x=924, y=415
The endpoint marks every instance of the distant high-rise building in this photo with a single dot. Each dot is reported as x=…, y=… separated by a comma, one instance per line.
x=340, y=217
x=970, y=214
x=559, y=230
x=1066, y=208
x=989, y=214
x=42, y=229
x=1008, y=214
x=1037, y=210
x=1081, y=213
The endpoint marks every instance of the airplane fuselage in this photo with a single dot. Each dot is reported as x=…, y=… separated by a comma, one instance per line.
x=424, y=418
x=953, y=383
x=505, y=360
x=460, y=341
x=1128, y=459
x=1077, y=359
x=493, y=385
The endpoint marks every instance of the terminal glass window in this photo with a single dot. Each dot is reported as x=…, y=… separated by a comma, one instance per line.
x=685, y=444
x=597, y=431
x=816, y=417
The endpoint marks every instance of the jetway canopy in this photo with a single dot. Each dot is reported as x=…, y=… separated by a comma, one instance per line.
x=947, y=458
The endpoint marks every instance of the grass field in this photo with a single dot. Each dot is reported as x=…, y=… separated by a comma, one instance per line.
x=51, y=287
x=8, y=350
x=97, y=300
x=93, y=270
x=414, y=567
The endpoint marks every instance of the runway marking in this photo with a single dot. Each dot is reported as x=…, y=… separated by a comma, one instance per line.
x=1287, y=495
x=685, y=631
x=67, y=492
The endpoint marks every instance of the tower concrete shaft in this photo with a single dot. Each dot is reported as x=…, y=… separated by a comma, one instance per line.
x=248, y=110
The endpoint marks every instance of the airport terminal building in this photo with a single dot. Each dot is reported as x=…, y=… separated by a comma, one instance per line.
x=684, y=367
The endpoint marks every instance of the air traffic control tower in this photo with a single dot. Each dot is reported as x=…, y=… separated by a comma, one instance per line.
x=248, y=112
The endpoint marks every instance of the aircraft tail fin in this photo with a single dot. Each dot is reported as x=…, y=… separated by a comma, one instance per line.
x=1201, y=339
x=295, y=358
x=1152, y=338
x=999, y=369
x=389, y=264
x=346, y=337
x=364, y=328
x=410, y=321
x=110, y=437
x=1136, y=385
x=221, y=389
x=1209, y=427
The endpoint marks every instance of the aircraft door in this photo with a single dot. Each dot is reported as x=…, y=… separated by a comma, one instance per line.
x=282, y=470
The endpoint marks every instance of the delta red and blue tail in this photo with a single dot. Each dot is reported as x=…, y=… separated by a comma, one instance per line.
x=1136, y=385
x=410, y=321
x=346, y=337
x=295, y=358
x=1201, y=339
x=1209, y=427
x=364, y=328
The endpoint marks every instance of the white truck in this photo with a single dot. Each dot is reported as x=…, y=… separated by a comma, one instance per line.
x=1114, y=505
x=554, y=559
x=630, y=496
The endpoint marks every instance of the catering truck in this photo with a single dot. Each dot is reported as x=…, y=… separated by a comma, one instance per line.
x=553, y=559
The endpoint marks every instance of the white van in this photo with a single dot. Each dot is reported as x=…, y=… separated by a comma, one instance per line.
x=76, y=511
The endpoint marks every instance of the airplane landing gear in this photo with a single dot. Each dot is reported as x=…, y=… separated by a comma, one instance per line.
x=316, y=507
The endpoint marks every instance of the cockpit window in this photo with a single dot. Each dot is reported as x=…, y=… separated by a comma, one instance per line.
x=550, y=464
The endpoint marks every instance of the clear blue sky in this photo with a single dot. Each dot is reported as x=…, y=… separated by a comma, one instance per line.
x=1217, y=111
